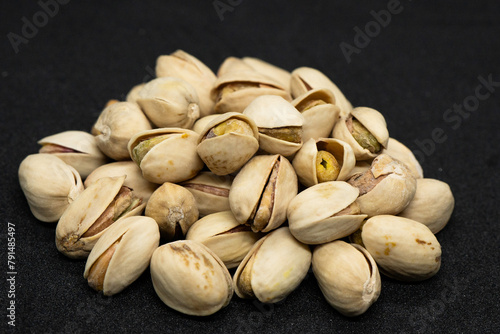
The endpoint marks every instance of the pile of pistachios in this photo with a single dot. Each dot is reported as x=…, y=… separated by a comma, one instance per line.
x=255, y=170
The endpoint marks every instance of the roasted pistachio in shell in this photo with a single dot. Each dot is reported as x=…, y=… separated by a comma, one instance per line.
x=225, y=236
x=202, y=122
x=324, y=212
x=210, y=191
x=261, y=192
x=49, y=185
x=133, y=94
x=280, y=75
x=347, y=276
x=190, y=278
x=273, y=268
x=166, y=155
x=93, y=212
x=432, y=204
x=228, y=142
x=400, y=152
x=121, y=254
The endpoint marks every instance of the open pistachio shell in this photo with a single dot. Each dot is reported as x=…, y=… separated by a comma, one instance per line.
x=225, y=236
x=210, y=191
x=361, y=166
x=261, y=192
x=202, y=122
x=226, y=152
x=273, y=268
x=324, y=212
x=402, y=153
x=277, y=73
x=190, y=278
x=49, y=184
x=122, y=254
x=347, y=276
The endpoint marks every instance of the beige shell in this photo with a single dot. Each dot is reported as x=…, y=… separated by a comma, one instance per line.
x=85, y=211
x=402, y=153
x=79, y=150
x=135, y=238
x=181, y=64
x=313, y=214
x=233, y=64
x=172, y=160
x=278, y=74
x=142, y=188
x=318, y=120
x=261, y=184
x=225, y=236
x=403, y=248
x=49, y=185
x=306, y=78
x=347, y=276
x=276, y=265
x=190, y=278
x=201, y=123
x=173, y=207
x=361, y=166
x=115, y=126
x=304, y=161
x=273, y=112
x=386, y=188
x=227, y=153
x=432, y=204
x=170, y=102
x=133, y=94
x=210, y=191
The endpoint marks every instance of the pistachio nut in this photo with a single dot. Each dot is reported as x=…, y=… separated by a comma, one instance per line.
x=228, y=142
x=190, y=278
x=181, y=64
x=133, y=94
x=279, y=124
x=386, y=188
x=280, y=75
x=323, y=160
x=121, y=254
x=400, y=152
x=76, y=148
x=49, y=185
x=403, y=248
x=432, y=204
x=273, y=268
x=225, y=236
x=93, y=212
x=166, y=154
x=261, y=192
x=324, y=212
x=169, y=102
x=115, y=126
x=202, y=122
x=347, y=276
x=210, y=191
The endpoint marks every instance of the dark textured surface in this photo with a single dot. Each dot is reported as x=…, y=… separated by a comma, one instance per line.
x=427, y=59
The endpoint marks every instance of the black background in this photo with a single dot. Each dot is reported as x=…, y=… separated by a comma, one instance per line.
x=428, y=58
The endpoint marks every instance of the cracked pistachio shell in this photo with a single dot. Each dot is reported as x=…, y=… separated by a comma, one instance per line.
x=190, y=278
x=225, y=236
x=84, y=212
x=49, y=185
x=386, y=188
x=273, y=268
x=181, y=64
x=280, y=75
x=432, y=204
x=403, y=248
x=373, y=121
x=173, y=159
x=142, y=188
x=116, y=124
x=122, y=254
x=347, y=276
x=227, y=153
x=306, y=78
x=274, y=112
x=304, y=161
x=313, y=214
x=169, y=102
x=133, y=94
x=76, y=148
x=210, y=191
x=402, y=153
x=202, y=122
x=173, y=207
x=264, y=187
x=320, y=119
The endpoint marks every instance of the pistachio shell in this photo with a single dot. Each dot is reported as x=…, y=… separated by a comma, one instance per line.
x=402, y=153
x=133, y=94
x=210, y=191
x=233, y=64
x=201, y=123
x=278, y=74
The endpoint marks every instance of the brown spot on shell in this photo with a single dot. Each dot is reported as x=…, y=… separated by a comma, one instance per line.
x=422, y=242
x=438, y=258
